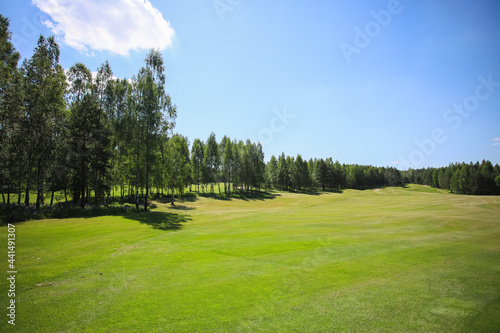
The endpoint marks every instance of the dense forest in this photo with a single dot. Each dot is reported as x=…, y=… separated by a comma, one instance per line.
x=82, y=137
x=461, y=178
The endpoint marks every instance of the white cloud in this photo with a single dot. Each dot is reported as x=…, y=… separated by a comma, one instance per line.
x=496, y=142
x=118, y=26
x=496, y=139
x=395, y=162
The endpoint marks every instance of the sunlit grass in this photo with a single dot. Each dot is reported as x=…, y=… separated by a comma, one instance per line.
x=395, y=259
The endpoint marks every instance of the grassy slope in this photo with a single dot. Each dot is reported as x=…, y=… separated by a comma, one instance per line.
x=413, y=259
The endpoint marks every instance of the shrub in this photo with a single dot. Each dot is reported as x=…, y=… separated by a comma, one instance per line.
x=21, y=213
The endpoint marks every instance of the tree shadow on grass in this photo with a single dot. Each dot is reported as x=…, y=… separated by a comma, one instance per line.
x=242, y=195
x=224, y=197
x=381, y=187
x=316, y=192
x=184, y=198
x=160, y=220
x=181, y=207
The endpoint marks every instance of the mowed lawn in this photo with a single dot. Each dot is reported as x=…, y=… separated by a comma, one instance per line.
x=394, y=259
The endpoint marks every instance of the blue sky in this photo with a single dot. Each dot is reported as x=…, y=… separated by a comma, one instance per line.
x=387, y=83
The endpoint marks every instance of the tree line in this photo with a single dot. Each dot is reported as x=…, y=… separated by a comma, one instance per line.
x=460, y=178
x=80, y=132
x=91, y=136
x=295, y=173
x=88, y=134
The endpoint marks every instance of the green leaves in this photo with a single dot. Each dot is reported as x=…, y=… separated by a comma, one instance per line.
x=179, y=168
x=44, y=86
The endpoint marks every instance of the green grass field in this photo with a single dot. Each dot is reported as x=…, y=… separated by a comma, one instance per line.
x=394, y=259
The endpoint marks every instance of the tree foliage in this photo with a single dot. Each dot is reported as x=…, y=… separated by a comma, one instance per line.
x=44, y=88
x=460, y=178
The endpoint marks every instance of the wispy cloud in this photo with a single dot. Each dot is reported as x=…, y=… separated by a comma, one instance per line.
x=395, y=162
x=496, y=142
x=117, y=26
